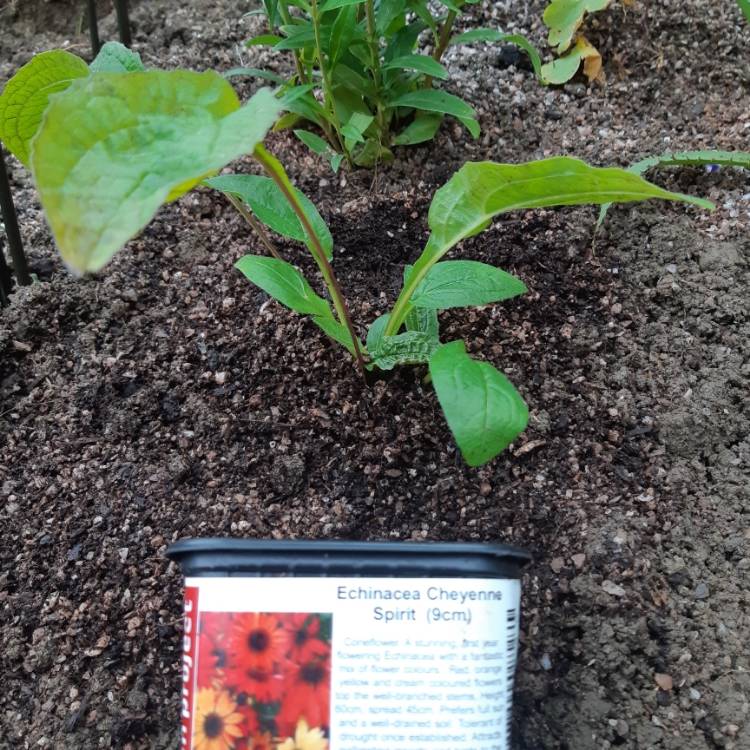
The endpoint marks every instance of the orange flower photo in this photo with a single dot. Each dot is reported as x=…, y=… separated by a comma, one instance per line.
x=264, y=681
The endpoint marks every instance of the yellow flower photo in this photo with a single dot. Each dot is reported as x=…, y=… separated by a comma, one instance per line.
x=217, y=721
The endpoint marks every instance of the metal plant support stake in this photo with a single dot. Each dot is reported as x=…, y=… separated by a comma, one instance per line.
x=20, y=266
x=123, y=22
x=6, y=282
x=93, y=27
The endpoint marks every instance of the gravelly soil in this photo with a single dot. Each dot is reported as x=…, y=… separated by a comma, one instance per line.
x=165, y=397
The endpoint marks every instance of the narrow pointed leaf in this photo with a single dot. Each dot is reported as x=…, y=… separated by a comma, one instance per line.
x=284, y=283
x=420, y=63
x=484, y=411
x=479, y=191
x=465, y=283
x=268, y=203
x=114, y=57
x=739, y=159
x=264, y=40
x=26, y=96
x=434, y=100
x=339, y=333
x=114, y=147
x=253, y=73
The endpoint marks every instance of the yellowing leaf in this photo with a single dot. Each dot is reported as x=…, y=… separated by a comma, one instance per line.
x=564, y=17
x=26, y=96
x=564, y=68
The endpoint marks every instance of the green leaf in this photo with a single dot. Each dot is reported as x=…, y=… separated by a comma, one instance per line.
x=434, y=100
x=484, y=411
x=408, y=348
x=343, y=32
x=298, y=36
x=471, y=125
x=355, y=128
x=479, y=191
x=115, y=146
x=745, y=8
x=465, y=283
x=421, y=318
x=321, y=147
x=114, y=57
x=284, y=283
x=25, y=97
x=493, y=35
x=253, y=73
x=386, y=12
x=420, y=63
x=333, y=4
x=336, y=331
x=268, y=203
x=422, y=128
x=264, y=40
x=563, y=17
x=739, y=159
x=375, y=332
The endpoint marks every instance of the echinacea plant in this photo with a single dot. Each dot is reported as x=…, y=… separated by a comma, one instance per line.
x=109, y=148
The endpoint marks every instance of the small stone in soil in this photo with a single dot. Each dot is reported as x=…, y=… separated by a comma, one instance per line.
x=701, y=591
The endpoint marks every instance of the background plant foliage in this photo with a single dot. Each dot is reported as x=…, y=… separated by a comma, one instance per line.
x=375, y=89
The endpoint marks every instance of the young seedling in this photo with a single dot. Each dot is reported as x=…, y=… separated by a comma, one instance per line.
x=111, y=148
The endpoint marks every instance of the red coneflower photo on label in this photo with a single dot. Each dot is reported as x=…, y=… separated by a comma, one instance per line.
x=264, y=681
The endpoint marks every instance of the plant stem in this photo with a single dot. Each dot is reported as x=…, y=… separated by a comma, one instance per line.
x=326, y=81
x=276, y=172
x=377, y=76
x=255, y=224
x=287, y=19
x=445, y=36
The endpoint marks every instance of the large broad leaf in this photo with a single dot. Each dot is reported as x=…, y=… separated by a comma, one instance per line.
x=26, y=97
x=268, y=203
x=740, y=159
x=745, y=8
x=114, y=57
x=284, y=283
x=563, y=17
x=114, y=147
x=479, y=191
x=465, y=283
x=484, y=411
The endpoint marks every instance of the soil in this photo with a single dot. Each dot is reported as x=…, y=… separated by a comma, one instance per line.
x=166, y=398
